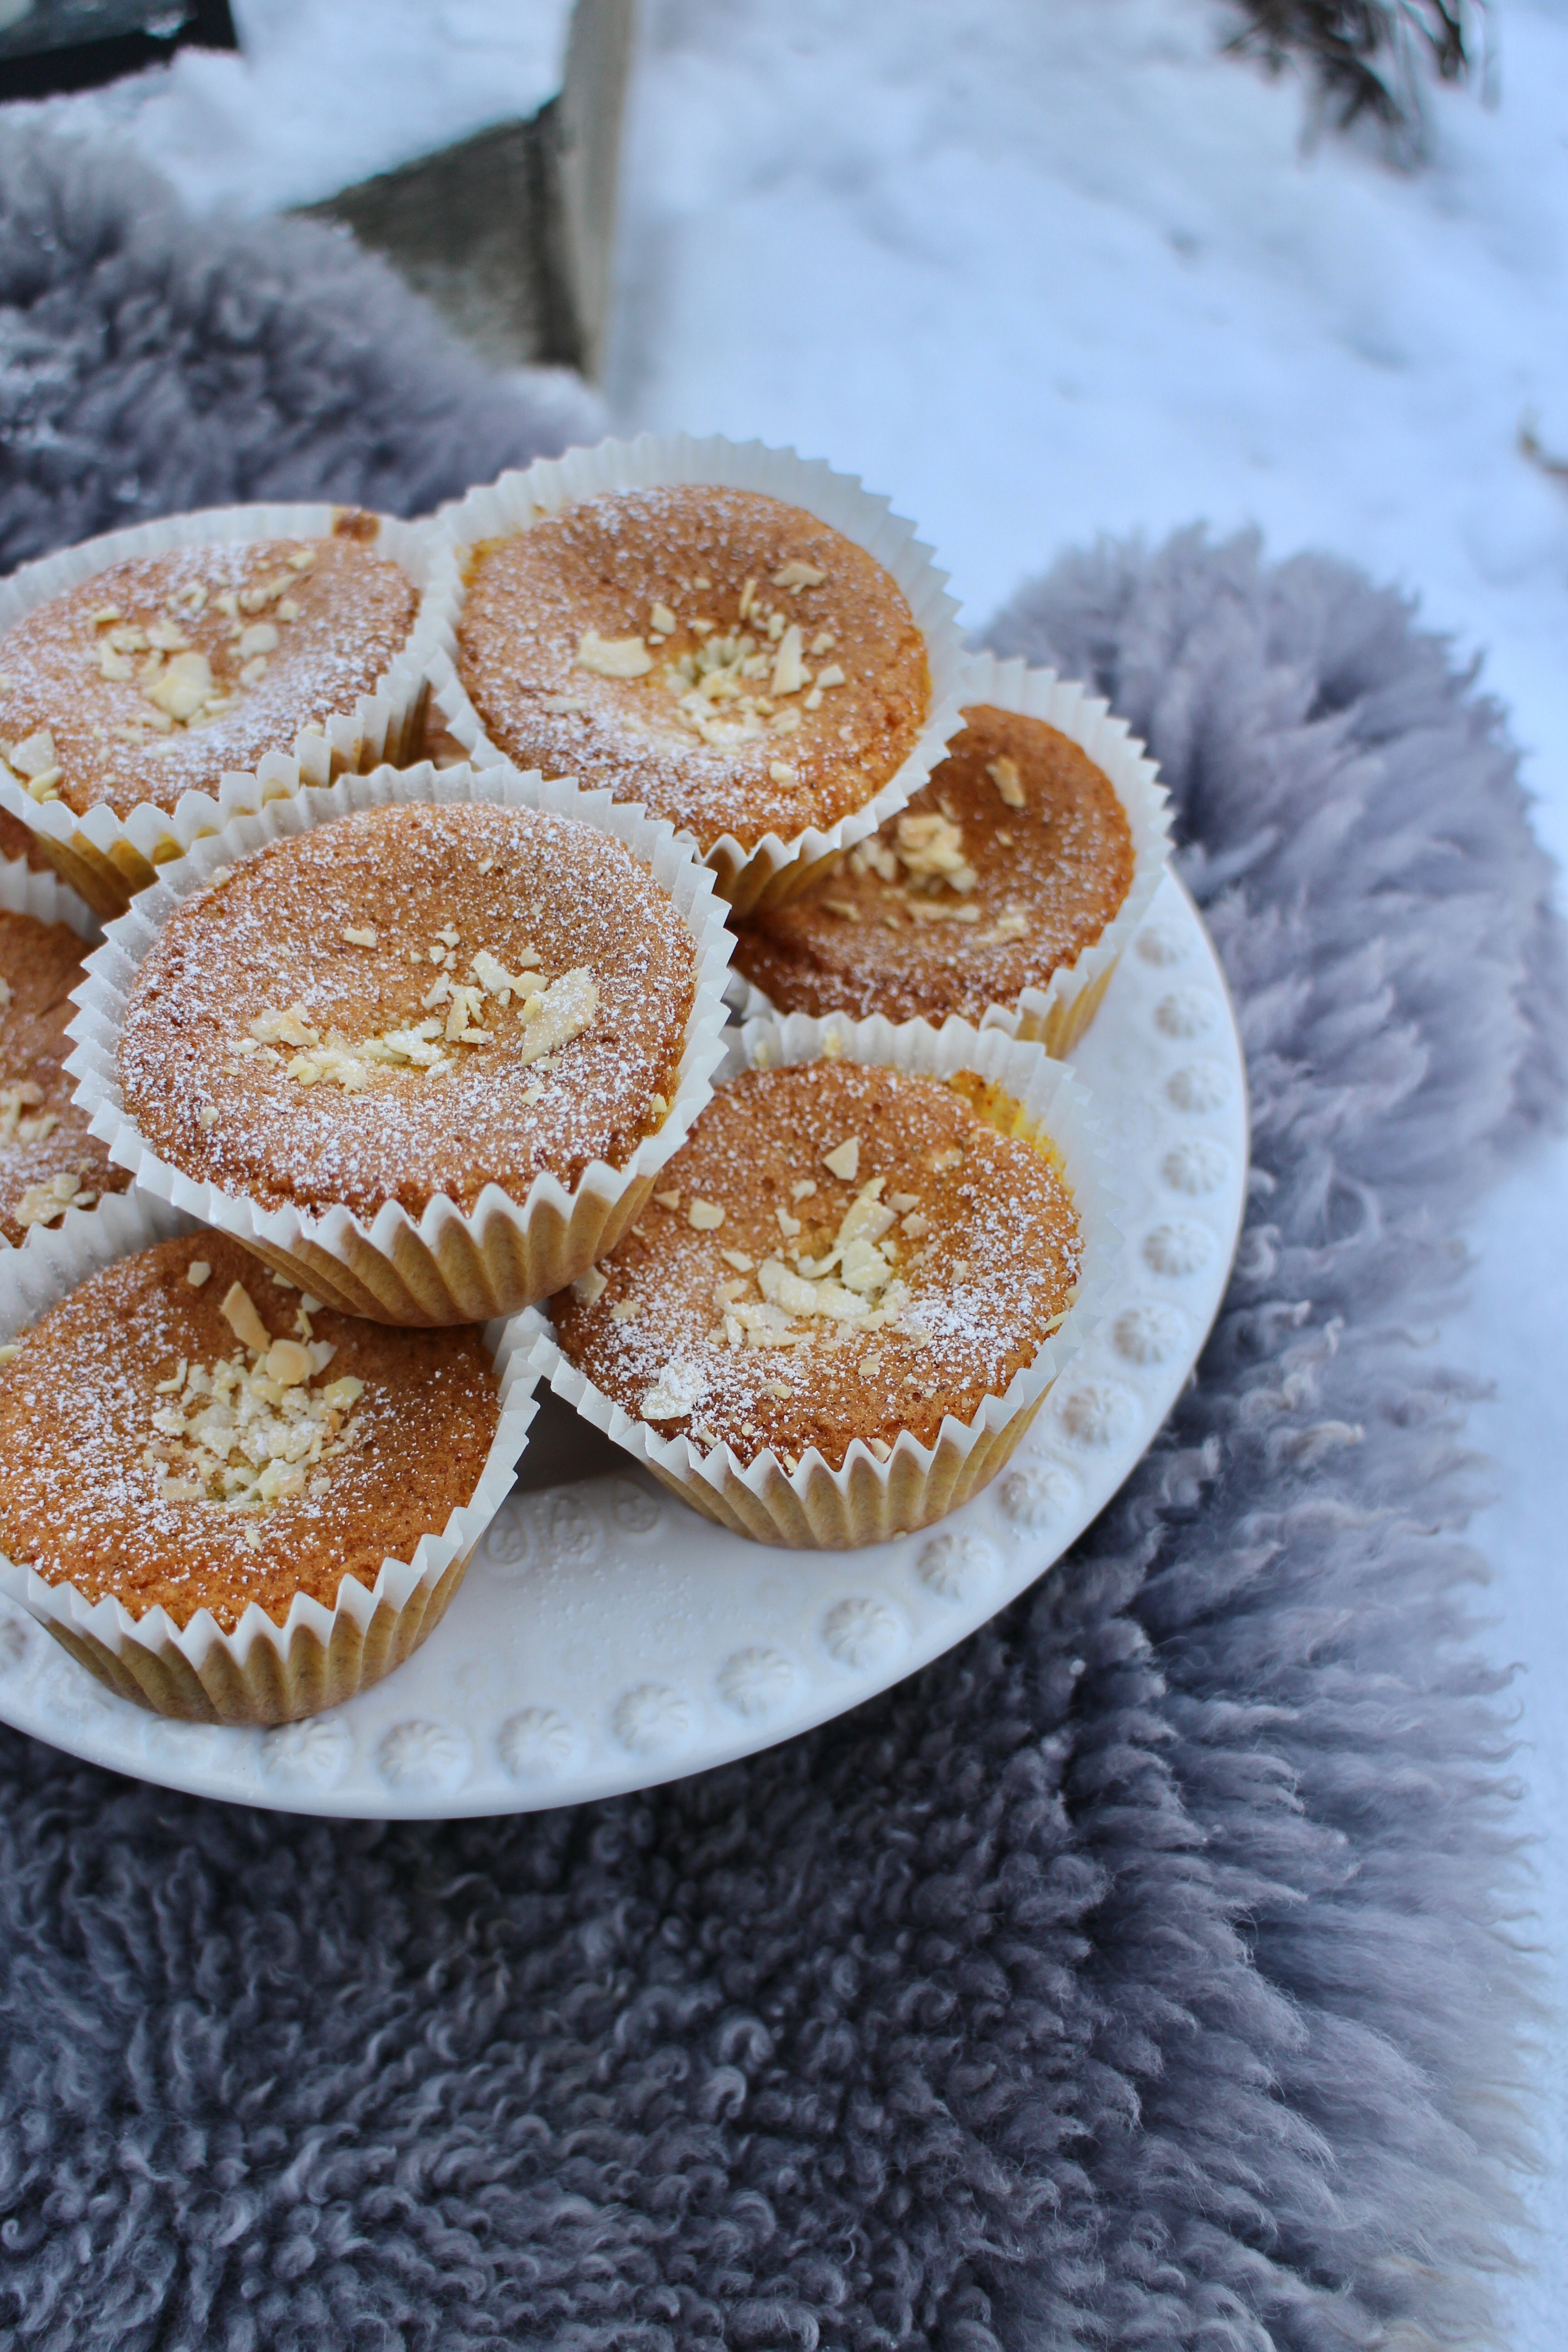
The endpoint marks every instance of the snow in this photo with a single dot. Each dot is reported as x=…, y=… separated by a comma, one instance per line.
x=1040, y=272
x=327, y=92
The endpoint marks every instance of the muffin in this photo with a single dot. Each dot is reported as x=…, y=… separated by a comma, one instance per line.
x=725, y=658
x=744, y=642
x=840, y=1310
x=48, y=1161
x=413, y=1002
x=158, y=680
x=422, y=1041
x=157, y=676
x=1002, y=869
x=180, y=1434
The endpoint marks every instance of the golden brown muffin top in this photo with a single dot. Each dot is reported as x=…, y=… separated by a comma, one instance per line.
x=724, y=658
x=158, y=675
x=837, y=1251
x=183, y=1429
x=411, y=1000
x=1004, y=868
x=48, y=1162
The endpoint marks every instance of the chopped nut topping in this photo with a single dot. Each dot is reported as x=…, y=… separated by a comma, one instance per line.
x=832, y=675
x=625, y=1310
x=900, y=1202
x=183, y=686
x=663, y=619
x=361, y=938
x=20, y=1119
x=789, y=673
x=669, y=1200
x=789, y=1226
x=739, y=1260
x=207, y=1115
x=238, y=1311
x=243, y=1436
x=1003, y=774
x=568, y=1006
x=844, y=1159
x=805, y=1189
x=40, y=1204
x=289, y=1363
x=797, y=574
x=10, y=1349
x=35, y=755
x=198, y=1271
x=589, y=1286
x=881, y=1449
x=614, y=657
x=705, y=1215
x=781, y=772
x=674, y=1395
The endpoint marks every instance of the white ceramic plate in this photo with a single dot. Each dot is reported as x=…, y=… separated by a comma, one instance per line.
x=607, y=1638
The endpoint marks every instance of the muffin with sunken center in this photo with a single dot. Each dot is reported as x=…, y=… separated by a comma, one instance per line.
x=840, y=1251
x=157, y=676
x=724, y=658
x=48, y=1162
x=408, y=1001
x=1005, y=866
x=181, y=1431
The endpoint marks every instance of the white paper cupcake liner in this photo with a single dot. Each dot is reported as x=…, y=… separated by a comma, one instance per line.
x=109, y=858
x=864, y=1501
x=773, y=869
x=262, y=1672
x=448, y=1265
x=24, y=891
x=1057, y=1015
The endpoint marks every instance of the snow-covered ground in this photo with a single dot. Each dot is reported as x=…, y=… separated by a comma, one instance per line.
x=1040, y=271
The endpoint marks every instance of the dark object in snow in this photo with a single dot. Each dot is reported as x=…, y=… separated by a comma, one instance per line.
x=511, y=233
x=151, y=364
x=1139, y=1974
x=50, y=45
x=1364, y=57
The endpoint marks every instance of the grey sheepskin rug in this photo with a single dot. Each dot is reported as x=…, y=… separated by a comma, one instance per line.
x=149, y=364
x=1142, y=1974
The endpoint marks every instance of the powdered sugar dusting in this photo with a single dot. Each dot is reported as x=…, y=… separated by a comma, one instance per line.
x=48, y=1162
x=830, y=1307
x=157, y=676
x=723, y=656
x=964, y=899
x=445, y=1057
x=141, y=1454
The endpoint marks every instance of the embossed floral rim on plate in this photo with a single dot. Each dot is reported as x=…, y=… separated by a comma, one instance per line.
x=605, y=1637
x=769, y=868
x=107, y=858
x=867, y=1500
x=262, y=1673
x=448, y=1265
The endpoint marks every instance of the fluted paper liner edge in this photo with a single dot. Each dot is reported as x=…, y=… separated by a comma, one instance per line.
x=262, y=1673
x=773, y=868
x=107, y=858
x=448, y=1265
x=865, y=1501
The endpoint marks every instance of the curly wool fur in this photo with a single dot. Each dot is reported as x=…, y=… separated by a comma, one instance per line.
x=148, y=365
x=1136, y=1976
